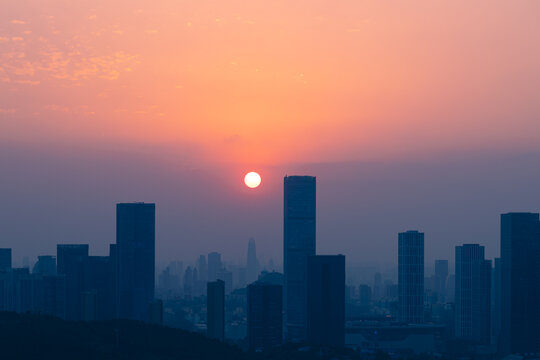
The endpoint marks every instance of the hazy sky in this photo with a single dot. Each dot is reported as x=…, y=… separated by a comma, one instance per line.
x=413, y=114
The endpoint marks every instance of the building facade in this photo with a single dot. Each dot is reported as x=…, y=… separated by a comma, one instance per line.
x=411, y=277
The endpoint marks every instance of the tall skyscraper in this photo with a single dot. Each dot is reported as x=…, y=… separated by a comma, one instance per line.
x=411, y=277
x=472, y=294
x=215, y=306
x=520, y=276
x=252, y=262
x=5, y=259
x=441, y=276
x=70, y=263
x=135, y=240
x=264, y=316
x=326, y=300
x=214, y=265
x=299, y=237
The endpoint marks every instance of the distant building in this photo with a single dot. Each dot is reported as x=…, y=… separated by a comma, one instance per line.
x=5, y=259
x=70, y=263
x=364, y=292
x=98, y=289
x=215, y=324
x=203, y=268
x=252, y=265
x=411, y=277
x=326, y=300
x=214, y=265
x=441, y=276
x=520, y=276
x=46, y=265
x=496, y=302
x=473, y=289
x=226, y=276
x=264, y=316
x=299, y=237
x=135, y=240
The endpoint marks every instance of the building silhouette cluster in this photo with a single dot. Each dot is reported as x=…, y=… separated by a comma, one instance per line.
x=491, y=306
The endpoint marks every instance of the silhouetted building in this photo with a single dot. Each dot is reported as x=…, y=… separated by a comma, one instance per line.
x=215, y=324
x=496, y=302
x=203, y=268
x=188, y=282
x=5, y=259
x=70, y=263
x=264, y=316
x=411, y=277
x=98, y=289
x=46, y=265
x=252, y=262
x=520, y=276
x=326, y=300
x=214, y=265
x=135, y=240
x=53, y=296
x=299, y=236
x=364, y=294
x=473, y=289
x=441, y=275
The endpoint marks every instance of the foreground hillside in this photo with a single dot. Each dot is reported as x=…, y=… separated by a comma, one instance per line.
x=25, y=336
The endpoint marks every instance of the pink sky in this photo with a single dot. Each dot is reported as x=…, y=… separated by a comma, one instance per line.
x=266, y=82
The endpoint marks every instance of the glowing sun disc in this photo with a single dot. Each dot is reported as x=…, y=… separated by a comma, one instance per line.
x=252, y=179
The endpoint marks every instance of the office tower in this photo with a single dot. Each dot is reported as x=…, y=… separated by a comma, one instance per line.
x=252, y=262
x=299, y=242
x=113, y=283
x=70, y=262
x=203, y=268
x=520, y=276
x=215, y=324
x=441, y=275
x=135, y=247
x=46, y=265
x=264, y=316
x=226, y=276
x=326, y=300
x=473, y=290
x=496, y=302
x=214, y=265
x=411, y=277
x=53, y=296
x=188, y=282
x=5, y=259
x=98, y=283
x=364, y=292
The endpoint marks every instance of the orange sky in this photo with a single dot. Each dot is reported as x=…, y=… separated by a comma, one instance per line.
x=266, y=82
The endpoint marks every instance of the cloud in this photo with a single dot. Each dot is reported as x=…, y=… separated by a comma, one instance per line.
x=18, y=22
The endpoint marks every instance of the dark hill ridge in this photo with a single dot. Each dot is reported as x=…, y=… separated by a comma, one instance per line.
x=30, y=336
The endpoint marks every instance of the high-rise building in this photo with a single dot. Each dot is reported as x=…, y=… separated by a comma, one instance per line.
x=252, y=262
x=472, y=296
x=264, y=315
x=441, y=276
x=496, y=302
x=5, y=259
x=203, y=268
x=411, y=277
x=326, y=300
x=214, y=265
x=215, y=323
x=520, y=276
x=70, y=263
x=299, y=242
x=98, y=289
x=135, y=240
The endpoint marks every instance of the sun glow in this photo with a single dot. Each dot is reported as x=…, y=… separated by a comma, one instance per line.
x=252, y=180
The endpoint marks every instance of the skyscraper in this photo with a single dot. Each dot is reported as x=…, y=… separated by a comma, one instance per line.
x=5, y=259
x=252, y=262
x=215, y=323
x=70, y=263
x=441, y=275
x=264, y=315
x=496, y=302
x=299, y=242
x=472, y=294
x=326, y=300
x=135, y=240
x=411, y=277
x=520, y=276
x=214, y=265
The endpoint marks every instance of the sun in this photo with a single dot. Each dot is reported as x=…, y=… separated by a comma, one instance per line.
x=252, y=180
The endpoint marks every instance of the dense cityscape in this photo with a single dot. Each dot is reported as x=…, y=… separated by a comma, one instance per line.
x=486, y=308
